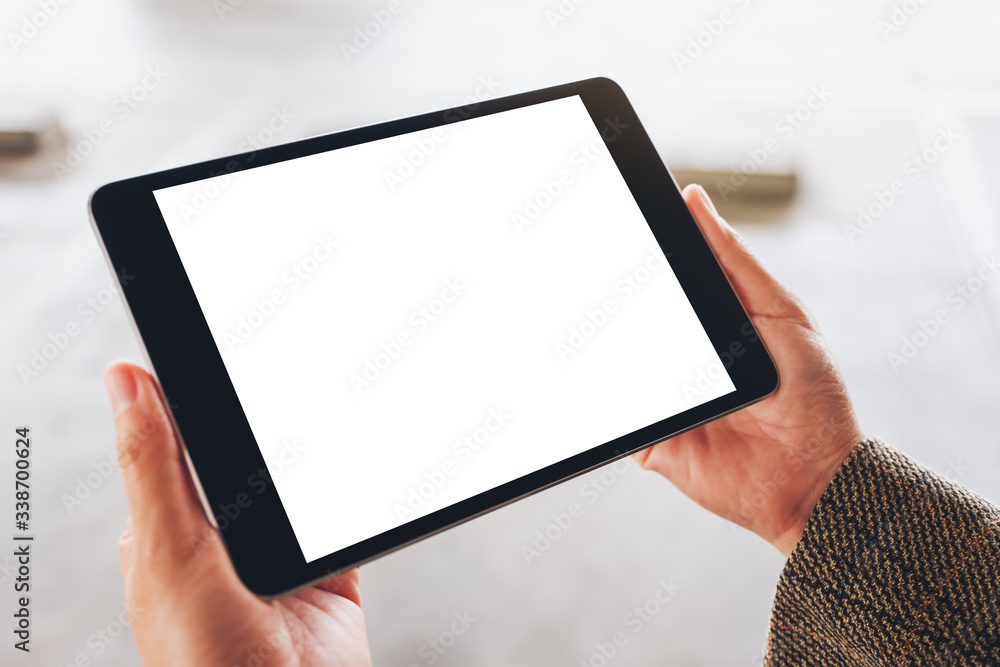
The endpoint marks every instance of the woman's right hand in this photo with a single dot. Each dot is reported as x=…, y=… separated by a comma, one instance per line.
x=766, y=466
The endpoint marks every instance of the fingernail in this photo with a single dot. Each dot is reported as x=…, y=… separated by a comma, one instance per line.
x=121, y=388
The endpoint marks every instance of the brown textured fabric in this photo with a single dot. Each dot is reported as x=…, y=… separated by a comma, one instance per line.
x=897, y=566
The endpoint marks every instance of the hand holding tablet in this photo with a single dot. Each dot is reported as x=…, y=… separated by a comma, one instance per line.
x=765, y=467
x=368, y=341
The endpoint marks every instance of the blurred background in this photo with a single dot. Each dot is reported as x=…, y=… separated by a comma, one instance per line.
x=854, y=95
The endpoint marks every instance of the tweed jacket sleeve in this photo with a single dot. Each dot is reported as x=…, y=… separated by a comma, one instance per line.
x=897, y=566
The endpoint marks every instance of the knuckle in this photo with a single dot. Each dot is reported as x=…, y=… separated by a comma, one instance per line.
x=126, y=540
x=643, y=458
x=133, y=440
x=185, y=552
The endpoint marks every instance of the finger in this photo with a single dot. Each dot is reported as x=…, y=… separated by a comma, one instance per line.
x=164, y=510
x=642, y=456
x=758, y=290
x=346, y=585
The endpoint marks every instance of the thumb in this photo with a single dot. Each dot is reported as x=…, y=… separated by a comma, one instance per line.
x=165, y=514
x=759, y=292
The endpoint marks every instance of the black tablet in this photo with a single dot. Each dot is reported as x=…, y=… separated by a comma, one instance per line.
x=370, y=336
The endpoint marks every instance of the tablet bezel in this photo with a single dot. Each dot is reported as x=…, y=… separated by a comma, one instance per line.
x=204, y=406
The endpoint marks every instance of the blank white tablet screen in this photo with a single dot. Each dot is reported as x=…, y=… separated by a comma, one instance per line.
x=413, y=321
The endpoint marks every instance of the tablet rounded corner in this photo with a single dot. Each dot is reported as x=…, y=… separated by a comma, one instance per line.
x=255, y=586
x=104, y=199
x=97, y=197
x=261, y=587
x=609, y=84
x=772, y=381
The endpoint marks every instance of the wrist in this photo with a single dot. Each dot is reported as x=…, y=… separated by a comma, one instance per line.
x=787, y=537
